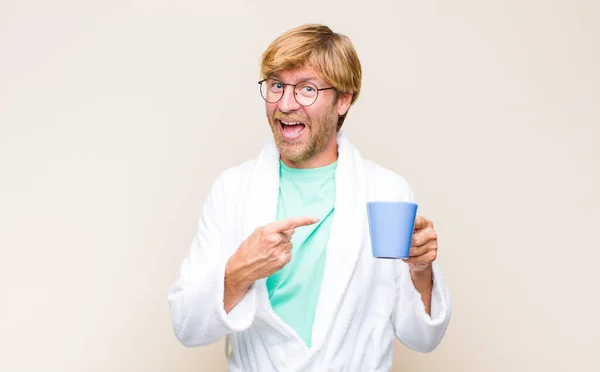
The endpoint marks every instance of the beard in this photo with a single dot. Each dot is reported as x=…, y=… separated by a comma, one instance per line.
x=319, y=131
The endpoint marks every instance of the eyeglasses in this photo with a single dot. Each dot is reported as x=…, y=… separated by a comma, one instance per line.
x=305, y=93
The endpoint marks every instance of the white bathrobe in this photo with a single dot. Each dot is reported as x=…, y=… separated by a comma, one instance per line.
x=364, y=301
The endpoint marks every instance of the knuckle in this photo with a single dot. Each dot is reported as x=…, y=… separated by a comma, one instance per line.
x=270, y=239
x=433, y=254
x=284, y=258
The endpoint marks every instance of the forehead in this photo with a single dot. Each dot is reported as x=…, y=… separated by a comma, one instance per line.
x=298, y=74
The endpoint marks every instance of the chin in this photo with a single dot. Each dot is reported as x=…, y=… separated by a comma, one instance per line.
x=293, y=153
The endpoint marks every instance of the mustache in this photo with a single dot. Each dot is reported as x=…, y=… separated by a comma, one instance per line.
x=278, y=115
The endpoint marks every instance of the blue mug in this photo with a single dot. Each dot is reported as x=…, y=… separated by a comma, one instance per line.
x=391, y=226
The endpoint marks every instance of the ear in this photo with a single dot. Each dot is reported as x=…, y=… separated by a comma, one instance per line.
x=343, y=103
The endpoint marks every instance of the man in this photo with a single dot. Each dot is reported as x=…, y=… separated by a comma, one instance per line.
x=281, y=264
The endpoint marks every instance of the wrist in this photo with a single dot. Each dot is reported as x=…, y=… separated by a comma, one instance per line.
x=423, y=273
x=233, y=280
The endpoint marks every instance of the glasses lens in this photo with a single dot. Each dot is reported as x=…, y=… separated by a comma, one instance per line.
x=271, y=90
x=306, y=93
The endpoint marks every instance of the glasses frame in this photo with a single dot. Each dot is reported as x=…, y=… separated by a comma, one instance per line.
x=292, y=85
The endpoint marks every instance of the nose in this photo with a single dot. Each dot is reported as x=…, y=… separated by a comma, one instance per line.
x=288, y=102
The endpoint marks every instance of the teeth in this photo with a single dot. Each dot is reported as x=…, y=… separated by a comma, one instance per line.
x=295, y=123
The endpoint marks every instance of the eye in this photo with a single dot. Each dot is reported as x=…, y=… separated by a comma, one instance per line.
x=274, y=85
x=307, y=89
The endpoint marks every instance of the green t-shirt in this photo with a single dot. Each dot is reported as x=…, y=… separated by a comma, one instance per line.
x=294, y=290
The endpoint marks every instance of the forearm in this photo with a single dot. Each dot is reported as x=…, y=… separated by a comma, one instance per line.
x=234, y=289
x=423, y=282
x=421, y=293
x=197, y=310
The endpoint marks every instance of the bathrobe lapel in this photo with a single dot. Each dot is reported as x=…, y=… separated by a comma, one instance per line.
x=346, y=236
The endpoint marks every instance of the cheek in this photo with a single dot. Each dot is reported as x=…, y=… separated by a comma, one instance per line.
x=314, y=114
x=270, y=109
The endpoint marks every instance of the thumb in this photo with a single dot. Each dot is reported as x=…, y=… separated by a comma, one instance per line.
x=287, y=234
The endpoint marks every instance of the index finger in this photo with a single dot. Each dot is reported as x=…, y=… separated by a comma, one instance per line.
x=290, y=223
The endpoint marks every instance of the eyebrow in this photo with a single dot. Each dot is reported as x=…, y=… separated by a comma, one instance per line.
x=313, y=79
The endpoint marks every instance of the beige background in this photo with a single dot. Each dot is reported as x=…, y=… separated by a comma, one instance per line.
x=115, y=117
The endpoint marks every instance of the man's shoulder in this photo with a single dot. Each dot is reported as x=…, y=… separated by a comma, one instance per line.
x=238, y=173
x=386, y=183
x=380, y=173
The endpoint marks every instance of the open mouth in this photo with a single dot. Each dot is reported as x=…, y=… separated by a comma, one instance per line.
x=291, y=130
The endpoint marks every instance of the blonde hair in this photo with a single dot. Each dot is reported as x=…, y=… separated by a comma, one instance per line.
x=332, y=55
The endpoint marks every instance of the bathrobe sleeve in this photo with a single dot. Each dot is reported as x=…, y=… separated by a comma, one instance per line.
x=196, y=298
x=413, y=326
